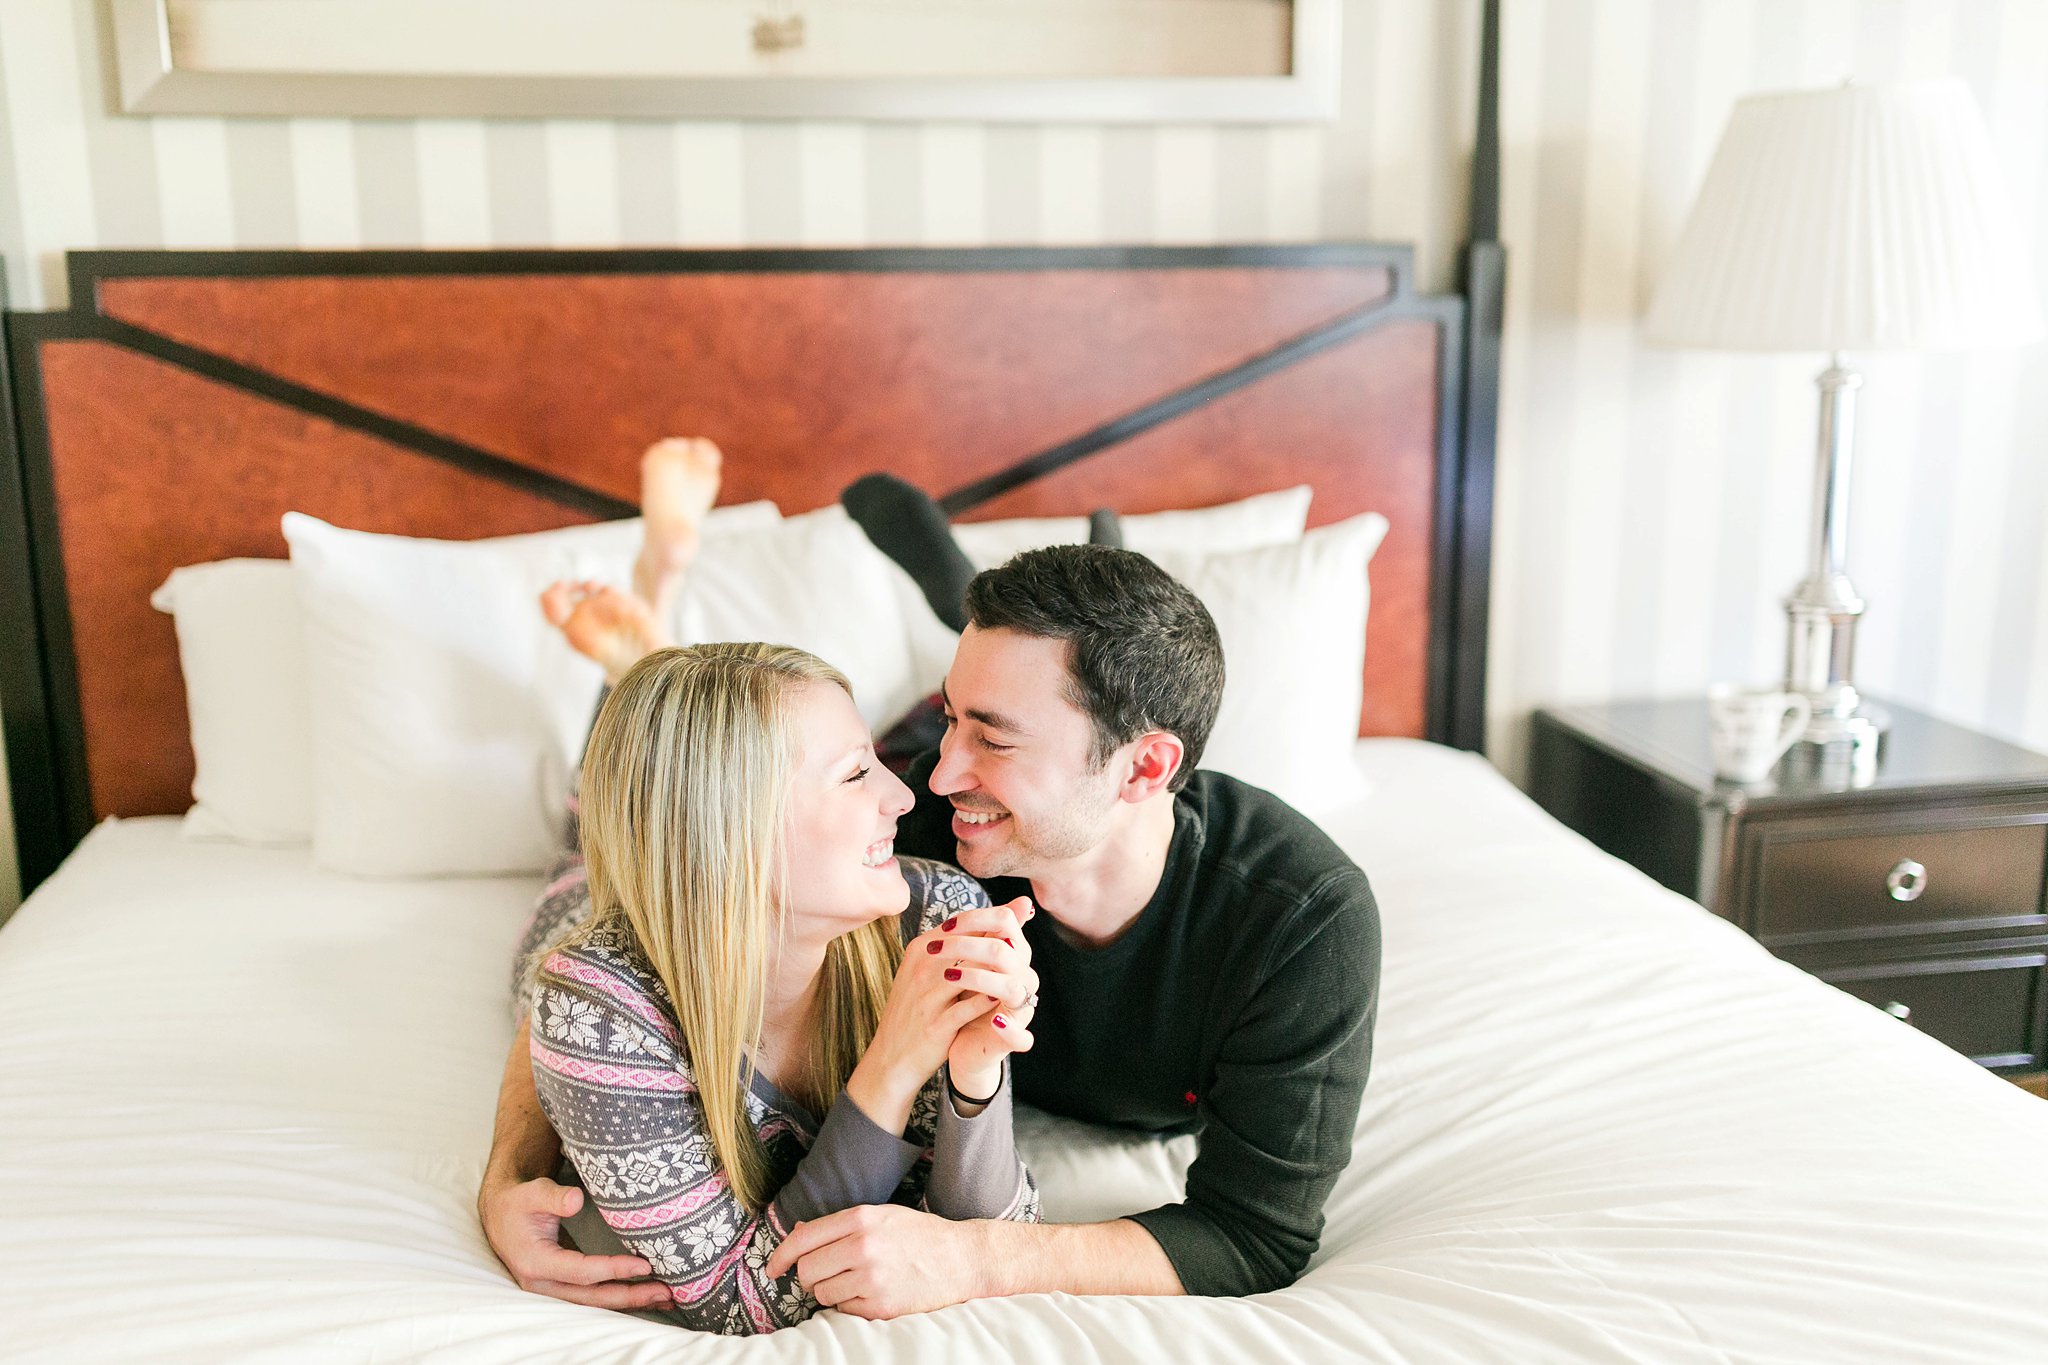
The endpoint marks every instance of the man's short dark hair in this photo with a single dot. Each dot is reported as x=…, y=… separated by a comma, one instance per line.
x=1143, y=651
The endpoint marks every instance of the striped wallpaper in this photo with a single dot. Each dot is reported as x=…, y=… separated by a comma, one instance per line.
x=1652, y=504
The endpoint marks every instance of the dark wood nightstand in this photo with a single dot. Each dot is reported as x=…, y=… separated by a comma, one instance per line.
x=1919, y=890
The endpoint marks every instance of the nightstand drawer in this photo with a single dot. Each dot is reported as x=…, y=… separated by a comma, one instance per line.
x=1811, y=887
x=1986, y=1009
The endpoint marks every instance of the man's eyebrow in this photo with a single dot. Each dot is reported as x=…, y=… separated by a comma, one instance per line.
x=994, y=720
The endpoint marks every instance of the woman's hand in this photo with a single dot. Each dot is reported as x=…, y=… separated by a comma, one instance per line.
x=975, y=1060
x=951, y=976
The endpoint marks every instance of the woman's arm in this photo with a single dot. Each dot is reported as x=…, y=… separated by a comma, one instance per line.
x=975, y=1171
x=615, y=1083
x=522, y=1210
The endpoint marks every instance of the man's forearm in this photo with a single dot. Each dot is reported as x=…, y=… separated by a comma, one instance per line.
x=1072, y=1258
x=524, y=1145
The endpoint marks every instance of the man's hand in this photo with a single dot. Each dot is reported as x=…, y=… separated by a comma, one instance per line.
x=523, y=1222
x=882, y=1260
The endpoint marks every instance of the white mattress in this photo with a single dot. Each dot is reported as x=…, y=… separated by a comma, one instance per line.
x=244, y=1107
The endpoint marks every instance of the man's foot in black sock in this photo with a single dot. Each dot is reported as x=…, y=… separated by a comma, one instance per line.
x=1105, y=528
x=903, y=522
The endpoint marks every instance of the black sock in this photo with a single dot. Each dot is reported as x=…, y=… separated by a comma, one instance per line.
x=1105, y=528
x=906, y=525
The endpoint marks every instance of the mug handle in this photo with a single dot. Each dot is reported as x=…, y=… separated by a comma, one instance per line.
x=1797, y=712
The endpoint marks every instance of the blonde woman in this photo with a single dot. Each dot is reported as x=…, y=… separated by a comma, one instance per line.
x=761, y=1016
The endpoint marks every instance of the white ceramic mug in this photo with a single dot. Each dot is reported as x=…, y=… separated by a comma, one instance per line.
x=1753, y=727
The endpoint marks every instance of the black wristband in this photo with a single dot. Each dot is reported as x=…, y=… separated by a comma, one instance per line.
x=959, y=1098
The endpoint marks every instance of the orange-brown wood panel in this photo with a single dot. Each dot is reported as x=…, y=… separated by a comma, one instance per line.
x=807, y=379
x=156, y=468
x=1358, y=422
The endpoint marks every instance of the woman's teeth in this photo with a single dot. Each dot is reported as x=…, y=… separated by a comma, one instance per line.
x=878, y=854
x=978, y=817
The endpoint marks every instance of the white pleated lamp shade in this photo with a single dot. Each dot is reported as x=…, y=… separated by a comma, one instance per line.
x=1865, y=218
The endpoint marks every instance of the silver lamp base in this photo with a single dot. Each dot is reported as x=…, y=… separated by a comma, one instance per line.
x=1822, y=612
x=1864, y=729
x=1840, y=751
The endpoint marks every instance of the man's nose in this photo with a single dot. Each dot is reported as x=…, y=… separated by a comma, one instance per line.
x=951, y=773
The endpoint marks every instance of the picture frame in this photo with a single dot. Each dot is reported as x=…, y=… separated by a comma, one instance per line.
x=1110, y=61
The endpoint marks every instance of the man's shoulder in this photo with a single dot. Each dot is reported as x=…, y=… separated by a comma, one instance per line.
x=1265, y=845
x=1298, y=910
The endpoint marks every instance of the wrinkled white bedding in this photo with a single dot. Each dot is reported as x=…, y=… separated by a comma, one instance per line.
x=244, y=1106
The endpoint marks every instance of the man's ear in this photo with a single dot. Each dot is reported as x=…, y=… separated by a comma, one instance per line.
x=1155, y=757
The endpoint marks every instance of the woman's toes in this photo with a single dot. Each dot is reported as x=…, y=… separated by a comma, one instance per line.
x=613, y=628
x=679, y=479
x=557, y=602
x=678, y=484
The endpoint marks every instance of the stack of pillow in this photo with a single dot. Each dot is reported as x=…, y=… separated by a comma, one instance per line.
x=401, y=705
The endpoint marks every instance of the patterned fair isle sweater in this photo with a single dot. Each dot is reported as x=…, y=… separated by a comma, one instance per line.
x=615, y=1080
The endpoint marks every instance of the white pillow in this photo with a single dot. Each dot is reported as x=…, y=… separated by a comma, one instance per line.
x=239, y=644
x=240, y=632
x=1262, y=519
x=1273, y=518
x=446, y=714
x=1292, y=619
x=815, y=581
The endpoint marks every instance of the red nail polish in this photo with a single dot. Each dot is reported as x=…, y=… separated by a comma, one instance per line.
x=952, y=973
x=998, y=1022
x=948, y=925
x=1008, y=944
x=935, y=945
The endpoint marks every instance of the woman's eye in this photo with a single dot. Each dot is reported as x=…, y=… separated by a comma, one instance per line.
x=861, y=775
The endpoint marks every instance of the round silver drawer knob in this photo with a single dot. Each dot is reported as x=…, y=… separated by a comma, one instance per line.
x=1898, y=1011
x=1906, y=881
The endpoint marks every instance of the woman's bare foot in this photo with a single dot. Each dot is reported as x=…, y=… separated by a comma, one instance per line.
x=604, y=623
x=678, y=484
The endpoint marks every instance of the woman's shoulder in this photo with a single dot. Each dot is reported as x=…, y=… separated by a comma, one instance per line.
x=938, y=891
x=609, y=947
x=598, y=976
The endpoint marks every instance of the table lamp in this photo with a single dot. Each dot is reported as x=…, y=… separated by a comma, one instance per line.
x=1864, y=218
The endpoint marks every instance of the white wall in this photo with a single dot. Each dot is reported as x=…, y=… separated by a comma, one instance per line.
x=1655, y=503
x=1652, y=504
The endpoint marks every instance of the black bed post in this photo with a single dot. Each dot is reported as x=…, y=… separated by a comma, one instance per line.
x=1484, y=262
x=24, y=698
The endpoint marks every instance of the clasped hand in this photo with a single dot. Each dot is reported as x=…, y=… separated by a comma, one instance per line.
x=964, y=997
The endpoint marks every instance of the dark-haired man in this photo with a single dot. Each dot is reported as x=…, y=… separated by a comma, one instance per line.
x=1209, y=958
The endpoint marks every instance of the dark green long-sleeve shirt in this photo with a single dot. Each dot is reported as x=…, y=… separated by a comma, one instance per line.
x=1239, y=1006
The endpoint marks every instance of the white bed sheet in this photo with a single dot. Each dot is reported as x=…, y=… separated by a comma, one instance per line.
x=244, y=1106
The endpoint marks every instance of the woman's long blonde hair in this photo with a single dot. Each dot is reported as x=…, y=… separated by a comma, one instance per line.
x=685, y=793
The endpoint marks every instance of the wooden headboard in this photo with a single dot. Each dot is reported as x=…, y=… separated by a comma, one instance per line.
x=187, y=399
